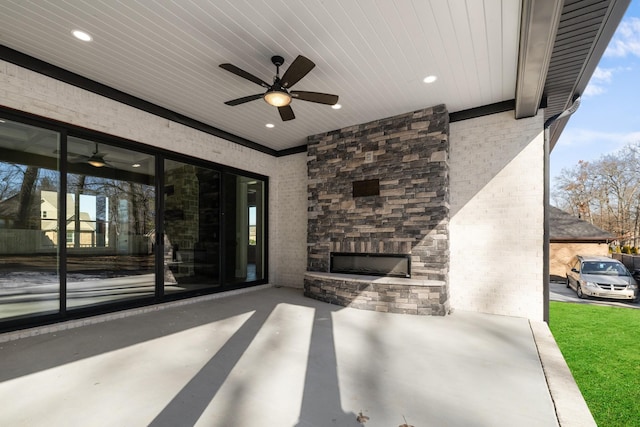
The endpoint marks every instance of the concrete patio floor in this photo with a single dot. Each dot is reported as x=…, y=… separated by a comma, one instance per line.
x=271, y=357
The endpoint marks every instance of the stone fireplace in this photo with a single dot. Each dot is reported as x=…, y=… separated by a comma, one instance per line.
x=381, y=188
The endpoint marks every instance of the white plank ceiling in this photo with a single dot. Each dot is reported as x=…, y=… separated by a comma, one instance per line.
x=373, y=54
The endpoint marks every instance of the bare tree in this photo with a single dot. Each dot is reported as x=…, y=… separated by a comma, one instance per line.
x=576, y=188
x=24, y=218
x=605, y=192
x=10, y=179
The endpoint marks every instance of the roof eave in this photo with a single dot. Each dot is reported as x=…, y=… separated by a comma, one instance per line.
x=610, y=22
x=579, y=240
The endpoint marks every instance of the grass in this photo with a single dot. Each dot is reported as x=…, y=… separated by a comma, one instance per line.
x=602, y=348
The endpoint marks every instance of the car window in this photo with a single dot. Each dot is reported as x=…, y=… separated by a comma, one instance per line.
x=588, y=268
x=604, y=268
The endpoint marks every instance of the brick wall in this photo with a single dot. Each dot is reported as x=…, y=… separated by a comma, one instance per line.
x=289, y=226
x=496, y=229
x=408, y=154
x=28, y=91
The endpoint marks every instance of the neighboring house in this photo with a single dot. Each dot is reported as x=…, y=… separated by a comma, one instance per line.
x=85, y=227
x=8, y=211
x=47, y=225
x=453, y=175
x=570, y=236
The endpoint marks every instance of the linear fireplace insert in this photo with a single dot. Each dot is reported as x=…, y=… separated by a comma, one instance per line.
x=395, y=265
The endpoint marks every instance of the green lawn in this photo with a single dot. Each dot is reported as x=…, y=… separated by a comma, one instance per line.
x=602, y=348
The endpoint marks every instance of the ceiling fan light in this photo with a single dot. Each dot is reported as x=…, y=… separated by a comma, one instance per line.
x=98, y=163
x=277, y=98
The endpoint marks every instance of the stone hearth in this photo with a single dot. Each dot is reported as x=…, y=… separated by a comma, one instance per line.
x=385, y=294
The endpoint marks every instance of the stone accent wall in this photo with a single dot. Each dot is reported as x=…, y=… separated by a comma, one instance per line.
x=409, y=155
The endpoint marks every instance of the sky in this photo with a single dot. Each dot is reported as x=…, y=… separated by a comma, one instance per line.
x=609, y=114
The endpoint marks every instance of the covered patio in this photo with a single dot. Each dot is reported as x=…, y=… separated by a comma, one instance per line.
x=444, y=105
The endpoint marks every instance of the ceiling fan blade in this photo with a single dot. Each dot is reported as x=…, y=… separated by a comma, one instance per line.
x=73, y=157
x=245, y=75
x=77, y=158
x=286, y=113
x=298, y=69
x=320, y=98
x=244, y=99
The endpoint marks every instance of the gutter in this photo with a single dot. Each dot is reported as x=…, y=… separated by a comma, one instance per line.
x=545, y=195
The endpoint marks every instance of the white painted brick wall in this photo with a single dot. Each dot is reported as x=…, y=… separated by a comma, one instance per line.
x=290, y=226
x=34, y=93
x=496, y=228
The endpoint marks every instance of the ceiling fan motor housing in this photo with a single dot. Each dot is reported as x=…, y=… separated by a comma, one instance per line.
x=277, y=60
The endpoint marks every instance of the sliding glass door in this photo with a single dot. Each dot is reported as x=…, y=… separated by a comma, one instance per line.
x=29, y=240
x=110, y=224
x=87, y=225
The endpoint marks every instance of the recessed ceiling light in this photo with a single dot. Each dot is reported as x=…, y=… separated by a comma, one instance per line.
x=430, y=79
x=270, y=125
x=136, y=165
x=81, y=35
x=336, y=106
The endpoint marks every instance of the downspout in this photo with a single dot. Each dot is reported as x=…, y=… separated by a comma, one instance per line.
x=545, y=244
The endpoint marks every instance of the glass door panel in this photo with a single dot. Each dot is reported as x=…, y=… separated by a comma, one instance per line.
x=110, y=224
x=29, y=241
x=191, y=227
x=244, y=229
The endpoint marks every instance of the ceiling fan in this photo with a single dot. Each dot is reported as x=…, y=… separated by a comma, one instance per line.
x=96, y=159
x=278, y=93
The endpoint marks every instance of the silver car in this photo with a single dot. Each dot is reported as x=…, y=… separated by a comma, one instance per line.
x=599, y=276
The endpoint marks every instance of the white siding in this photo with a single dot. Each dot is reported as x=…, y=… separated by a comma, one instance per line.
x=496, y=228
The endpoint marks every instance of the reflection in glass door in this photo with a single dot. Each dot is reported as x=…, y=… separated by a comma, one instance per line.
x=99, y=218
x=110, y=225
x=29, y=245
x=244, y=229
x=191, y=227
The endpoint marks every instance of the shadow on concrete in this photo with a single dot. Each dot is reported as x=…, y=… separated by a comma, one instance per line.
x=190, y=402
x=321, y=398
x=276, y=359
x=321, y=402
